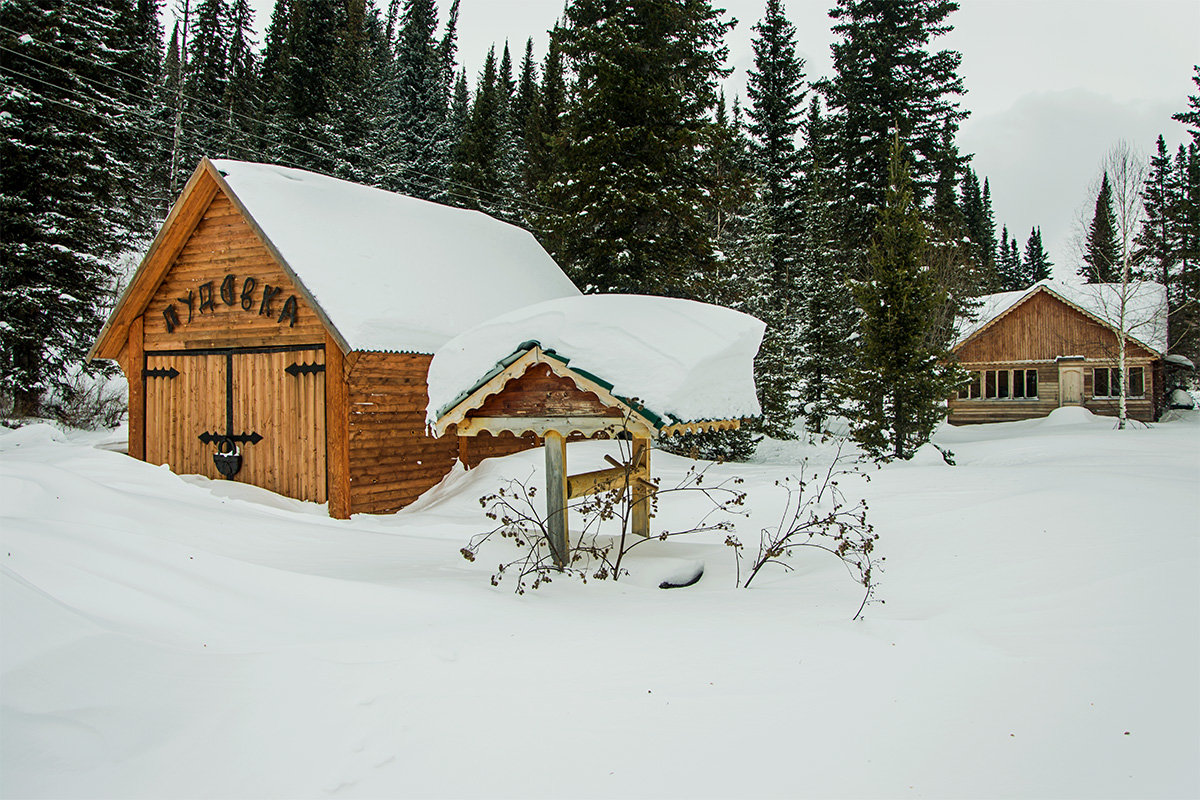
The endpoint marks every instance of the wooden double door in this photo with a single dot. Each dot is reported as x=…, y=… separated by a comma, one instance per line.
x=265, y=405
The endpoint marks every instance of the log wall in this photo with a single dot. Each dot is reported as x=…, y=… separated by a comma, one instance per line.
x=392, y=459
x=981, y=410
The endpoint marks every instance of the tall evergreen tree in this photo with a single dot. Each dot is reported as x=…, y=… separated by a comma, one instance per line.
x=902, y=376
x=827, y=313
x=478, y=170
x=632, y=208
x=1101, y=253
x=1037, y=263
x=775, y=86
x=205, y=132
x=1191, y=117
x=66, y=157
x=416, y=142
x=239, y=104
x=886, y=82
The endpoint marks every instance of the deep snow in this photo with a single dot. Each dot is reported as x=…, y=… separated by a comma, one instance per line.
x=169, y=636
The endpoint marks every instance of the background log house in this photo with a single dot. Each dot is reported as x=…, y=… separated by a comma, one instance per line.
x=1056, y=345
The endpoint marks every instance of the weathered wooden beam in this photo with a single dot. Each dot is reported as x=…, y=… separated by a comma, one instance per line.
x=601, y=480
x=135, y=362
x=640, y=495
x=556, y=496
x=588, y=426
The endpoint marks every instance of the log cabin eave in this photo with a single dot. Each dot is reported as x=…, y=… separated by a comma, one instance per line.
x=187, y=212
x=1051, y=293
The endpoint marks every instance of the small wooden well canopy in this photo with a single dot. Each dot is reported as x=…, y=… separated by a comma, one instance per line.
x=538, y=390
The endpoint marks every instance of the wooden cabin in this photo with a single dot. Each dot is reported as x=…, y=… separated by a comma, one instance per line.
x=280, y=328
x=1056, y=345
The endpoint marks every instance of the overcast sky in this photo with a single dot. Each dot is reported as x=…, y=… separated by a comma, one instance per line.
x=1051, y=86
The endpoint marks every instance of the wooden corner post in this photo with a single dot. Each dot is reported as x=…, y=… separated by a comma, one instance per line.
x=556, y=496
x=337, y=431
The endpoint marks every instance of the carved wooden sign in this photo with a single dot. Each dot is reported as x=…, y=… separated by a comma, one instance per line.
x=230, y=293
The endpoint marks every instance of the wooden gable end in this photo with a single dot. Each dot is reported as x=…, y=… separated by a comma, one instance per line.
x=225, y=288
x=540, y=392
x=208, y=237
x=1043, y=328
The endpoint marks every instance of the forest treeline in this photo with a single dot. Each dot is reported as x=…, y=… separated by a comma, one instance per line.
x=840, y=210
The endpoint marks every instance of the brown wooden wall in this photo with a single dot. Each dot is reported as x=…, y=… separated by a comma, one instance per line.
x=982, y=410
x=473, y=450
x=539, y=392
x=187, y=396
x=392, y=459
x=1044, y=328
x=224, y=244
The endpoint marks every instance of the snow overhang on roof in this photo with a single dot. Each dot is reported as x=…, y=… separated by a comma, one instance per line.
x=392, y=272
x=1145, y=309
x=673, y=361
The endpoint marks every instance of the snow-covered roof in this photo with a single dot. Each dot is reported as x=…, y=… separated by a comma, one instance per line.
x=392, y=272
x=1145, y=308
x=680, y=359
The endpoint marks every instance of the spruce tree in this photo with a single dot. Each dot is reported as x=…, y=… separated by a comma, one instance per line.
x=478, y=170
x=240, y=102
x=898, y=386
x=1191, y=117
x=415, y=145
x=67, y=152
x=1101, y=253
x=632, y=209
x=1037, y=263
x=775, y=86
x=887, y=82
x=827, y=313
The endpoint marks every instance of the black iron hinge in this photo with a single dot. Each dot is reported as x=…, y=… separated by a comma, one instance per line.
x=304, y=369
x=160, y=372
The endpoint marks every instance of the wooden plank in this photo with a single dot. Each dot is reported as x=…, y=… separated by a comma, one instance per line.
x=136, y=361
x=337, y=433
x=540, y=426
x=597, y=481
x=641, y=490
x=556, y=496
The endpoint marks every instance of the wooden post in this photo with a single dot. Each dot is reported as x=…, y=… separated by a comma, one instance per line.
x=337, y=431
x=135, y=363
x=639, y=490
x=556, y=496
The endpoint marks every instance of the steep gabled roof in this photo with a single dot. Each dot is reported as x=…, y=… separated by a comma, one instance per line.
x=384, y=271
x=1145, y=309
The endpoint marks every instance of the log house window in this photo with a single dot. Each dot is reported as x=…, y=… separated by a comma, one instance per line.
x=1106, y=382
x=971, y=390
x=1002, y=384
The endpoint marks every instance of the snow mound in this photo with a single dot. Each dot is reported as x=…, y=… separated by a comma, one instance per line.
x=393, y=272
x=1070, y=415
x=681, y=359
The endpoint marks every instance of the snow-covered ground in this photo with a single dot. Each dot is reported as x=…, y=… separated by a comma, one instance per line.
x=168, y=636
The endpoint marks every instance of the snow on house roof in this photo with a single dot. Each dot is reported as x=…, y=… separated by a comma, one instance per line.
x=393, y=272
x=1145, y=308
x=682, y=360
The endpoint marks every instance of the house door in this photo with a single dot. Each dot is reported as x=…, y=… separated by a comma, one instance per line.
x=1070, y=386
x=264, y=408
